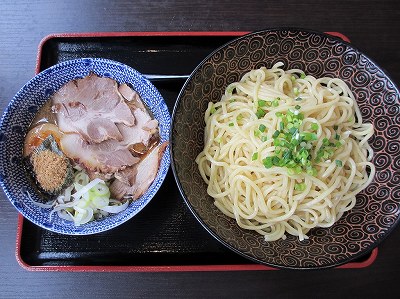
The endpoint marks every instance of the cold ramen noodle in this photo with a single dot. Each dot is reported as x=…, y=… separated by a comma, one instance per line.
x=92, y=148
x=285, y=152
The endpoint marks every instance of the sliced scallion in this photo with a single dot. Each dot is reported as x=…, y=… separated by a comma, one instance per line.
x=260, y=113
x=254, y=157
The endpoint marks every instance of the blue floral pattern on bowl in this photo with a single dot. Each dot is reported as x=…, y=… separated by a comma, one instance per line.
x=19, y=115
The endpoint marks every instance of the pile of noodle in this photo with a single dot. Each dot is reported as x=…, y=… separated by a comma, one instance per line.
x=265, y=199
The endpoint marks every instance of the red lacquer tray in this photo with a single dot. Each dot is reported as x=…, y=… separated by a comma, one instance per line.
x=164, y=236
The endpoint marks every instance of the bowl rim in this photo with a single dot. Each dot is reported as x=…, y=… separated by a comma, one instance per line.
x=339, y=40
x=165, y=161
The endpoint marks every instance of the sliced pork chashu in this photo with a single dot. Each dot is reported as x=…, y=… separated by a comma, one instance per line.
x=106, y=157
x=93, y=107
x=135, y=180
x=109, y=132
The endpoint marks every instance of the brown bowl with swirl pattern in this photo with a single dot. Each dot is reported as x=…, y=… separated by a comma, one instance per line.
x=377, y=208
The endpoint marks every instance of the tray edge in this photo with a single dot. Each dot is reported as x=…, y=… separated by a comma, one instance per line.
x=186, y=268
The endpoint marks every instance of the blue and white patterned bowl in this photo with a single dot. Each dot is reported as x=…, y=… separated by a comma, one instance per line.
x=19, y=115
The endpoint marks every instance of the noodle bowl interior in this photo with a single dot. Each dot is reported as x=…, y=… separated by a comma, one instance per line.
x=285, y=152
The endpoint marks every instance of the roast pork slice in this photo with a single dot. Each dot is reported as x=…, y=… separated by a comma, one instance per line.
x=131, y=96
x=135, y=180
x=106, y=157
x=140, y=133
x=82, y=104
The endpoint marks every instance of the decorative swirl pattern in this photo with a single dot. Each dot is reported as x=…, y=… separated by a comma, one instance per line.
x=355, y=218
x=346, y=72
x=324, y=53
x=382, y=194
x=295, y=64
x=256, y=44
x=350, y=57
x=219, y=81
x=242, y=48
x=377, y=86
x=382, y=161
x=392, y=110
x=338, y=49
x=221, y=69
x=390, y=207
x=395, y=178
x=379, y=110
x=391, y=98
x=395, y=192
x=332, y=64
x=366, y=111
x=362, y=200
x=296, y=54
x=382, y=176
x=392, y=133
x=393, y=147
x=377, y=208
x=286, y=46
x=360, y=79
x=382, y=123
x=256, y=55
x=311, y=54
x=377, y=143
x=315, y=67
x=375, y=99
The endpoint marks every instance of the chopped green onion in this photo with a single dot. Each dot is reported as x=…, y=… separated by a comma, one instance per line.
x=276, y=134
x=276, y=160
x=275, y=102
x=281, y=126
x=278, y=114
x=290, y=171
x=296, y=91
x=339, y=163
x=260, y=113
x=298, y=99
x=239, y=117
x=232, y=100
x=297, y=107
x=293, y=130
x=293, y=78
x=308, y=136
x=300, y=187
x=314, y=126
x=311, y=171
x=231, y=124
x=213, y=110
x=337, y=136
x=257, y=133
x=261, y=103
x=302, y=76
x=254, y=157
x=267, y=162
x=262, y=128
x=264, y=138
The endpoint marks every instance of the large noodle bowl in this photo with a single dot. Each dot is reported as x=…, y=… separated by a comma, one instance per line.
x=285, y=152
